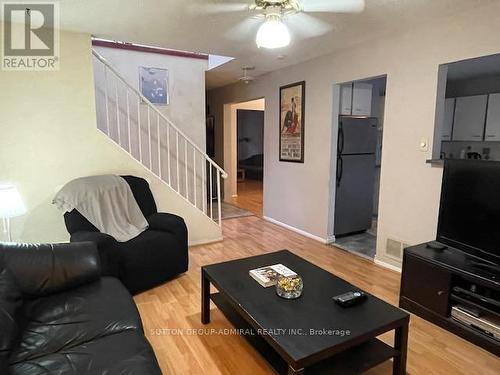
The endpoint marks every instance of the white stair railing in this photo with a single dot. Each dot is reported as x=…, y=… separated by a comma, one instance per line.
x=130, y=120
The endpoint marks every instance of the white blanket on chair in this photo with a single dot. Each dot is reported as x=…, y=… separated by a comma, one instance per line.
x=107, y=202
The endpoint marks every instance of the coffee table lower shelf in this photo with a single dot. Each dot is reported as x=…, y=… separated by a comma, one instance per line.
x=352, y=361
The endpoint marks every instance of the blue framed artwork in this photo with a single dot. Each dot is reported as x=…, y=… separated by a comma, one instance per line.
x=154, y=85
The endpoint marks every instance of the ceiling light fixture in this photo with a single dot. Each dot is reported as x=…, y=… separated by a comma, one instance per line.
x=273, y=33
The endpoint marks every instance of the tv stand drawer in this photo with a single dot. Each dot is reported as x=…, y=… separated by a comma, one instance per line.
x=426, y=284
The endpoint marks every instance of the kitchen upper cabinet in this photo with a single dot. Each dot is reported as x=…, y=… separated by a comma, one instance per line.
x=362, y=99
x=346, y=99
x=493, y=119
x=470, y=115
x=356, y=99
x=449, y=112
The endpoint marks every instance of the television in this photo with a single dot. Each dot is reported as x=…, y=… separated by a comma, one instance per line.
x=469, y=214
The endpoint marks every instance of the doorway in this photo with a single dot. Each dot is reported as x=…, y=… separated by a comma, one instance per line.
x=358, y=165
x=244, y=158
x=250, y=153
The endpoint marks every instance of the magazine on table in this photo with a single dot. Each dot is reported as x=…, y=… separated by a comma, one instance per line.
x=269, y=275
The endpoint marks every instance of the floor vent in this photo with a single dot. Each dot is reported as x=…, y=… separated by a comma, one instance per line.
x=394, y=248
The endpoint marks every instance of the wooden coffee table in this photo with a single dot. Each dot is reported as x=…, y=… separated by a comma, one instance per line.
x=309, y=335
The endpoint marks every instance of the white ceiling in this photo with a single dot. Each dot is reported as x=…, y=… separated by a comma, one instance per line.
x=177, y=24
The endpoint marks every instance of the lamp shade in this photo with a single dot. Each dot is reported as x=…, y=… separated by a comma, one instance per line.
x=11, y=204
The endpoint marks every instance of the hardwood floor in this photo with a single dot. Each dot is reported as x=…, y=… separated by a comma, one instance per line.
x=249, y=196
x=176, y=305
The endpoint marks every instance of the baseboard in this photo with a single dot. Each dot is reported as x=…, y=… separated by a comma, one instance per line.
x=330, y=239
x=296, y=230
x=387, y=265
x=204, y=242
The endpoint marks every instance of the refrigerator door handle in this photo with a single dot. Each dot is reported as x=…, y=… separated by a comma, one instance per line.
x=340, y=142
x=340, y=169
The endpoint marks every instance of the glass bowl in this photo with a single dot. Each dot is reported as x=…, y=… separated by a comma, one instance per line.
x=289, y=287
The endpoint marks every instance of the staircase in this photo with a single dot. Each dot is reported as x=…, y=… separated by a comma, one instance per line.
x=131, y=121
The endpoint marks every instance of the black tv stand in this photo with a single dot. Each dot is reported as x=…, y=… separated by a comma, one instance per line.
x=486, y=266
x=433, y=281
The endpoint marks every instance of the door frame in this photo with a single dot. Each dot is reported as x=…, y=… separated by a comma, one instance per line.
x=336, y=102
x=238, y=137
x=230, y=129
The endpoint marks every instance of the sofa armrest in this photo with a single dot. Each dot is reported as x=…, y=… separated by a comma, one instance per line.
x=101, y=240
x=169, y=223
x=108, y=249
x=42, y=269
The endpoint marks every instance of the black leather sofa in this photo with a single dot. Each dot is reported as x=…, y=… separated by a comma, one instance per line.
x=59, y=316
x=150, y=259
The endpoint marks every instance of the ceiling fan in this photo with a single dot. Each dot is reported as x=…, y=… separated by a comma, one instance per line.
x=274, y=15
x=246, y=78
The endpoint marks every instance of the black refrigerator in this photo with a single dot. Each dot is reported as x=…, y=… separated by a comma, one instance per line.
x=356, y=149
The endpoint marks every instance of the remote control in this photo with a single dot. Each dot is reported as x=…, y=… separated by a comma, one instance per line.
x=350, y=298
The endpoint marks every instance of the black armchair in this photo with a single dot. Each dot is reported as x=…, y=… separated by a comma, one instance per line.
x=153, y=257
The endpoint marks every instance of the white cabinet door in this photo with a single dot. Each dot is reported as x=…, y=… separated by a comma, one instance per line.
x=470, y=114
x=362, y=99
x=346, y=99
x=493, y=119
x=449, y=111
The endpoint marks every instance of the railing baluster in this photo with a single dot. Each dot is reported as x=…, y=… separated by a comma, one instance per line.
x=149, y=141
x=160, y=173
x=106, y=98
x=211, y=193
x=118, y=113
x=194, y=178
x=219, y=207
x=177, y=159
x=168, y=154
x=204, y=186
x=128, y=125
x=139, y=130
x=186, y=191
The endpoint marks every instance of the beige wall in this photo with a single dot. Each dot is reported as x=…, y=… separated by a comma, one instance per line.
x=299, y=194
x=231, y=143
x=48, y=136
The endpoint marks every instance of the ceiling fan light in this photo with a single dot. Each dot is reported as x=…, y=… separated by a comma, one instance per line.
x=273, y=34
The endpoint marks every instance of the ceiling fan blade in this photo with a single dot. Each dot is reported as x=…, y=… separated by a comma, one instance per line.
x=336, y=6
x=308, y=26
x=218, y=8
x=244, y=30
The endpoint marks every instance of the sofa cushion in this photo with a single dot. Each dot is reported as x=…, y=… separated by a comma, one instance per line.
x=65, y=320
x=150, y=259
x=122, y=353
x=10, y=301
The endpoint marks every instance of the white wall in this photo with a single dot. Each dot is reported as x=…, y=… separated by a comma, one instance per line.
x=298, y=194
x=49, y=136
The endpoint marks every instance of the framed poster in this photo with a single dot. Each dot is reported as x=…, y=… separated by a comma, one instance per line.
x=154, y=85
x=292, y=109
